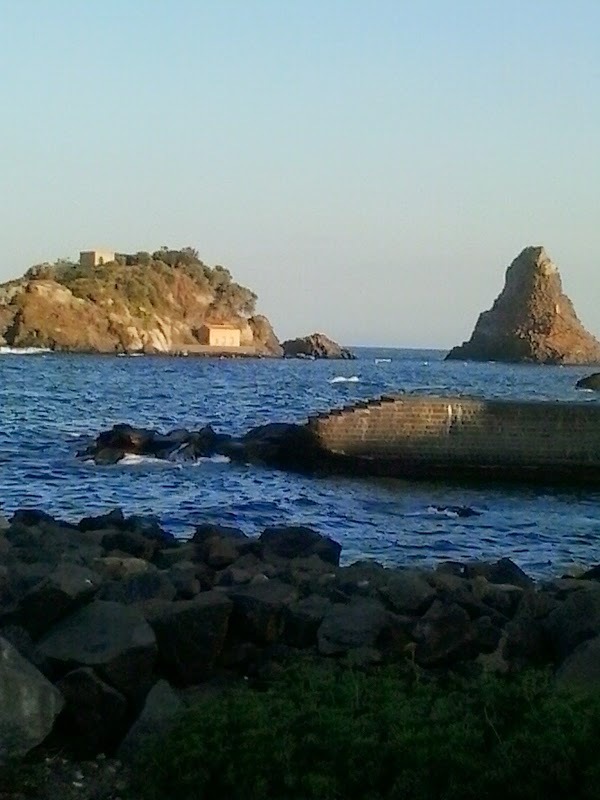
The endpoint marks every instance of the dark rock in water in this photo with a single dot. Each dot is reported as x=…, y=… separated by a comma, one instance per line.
x=94, y=715
x=317, y=345
x=299, y=542
x=592, y=574
x=531, y=320
x=29, y=704
x=589, y=382
x=459, y=511
x=278, y=444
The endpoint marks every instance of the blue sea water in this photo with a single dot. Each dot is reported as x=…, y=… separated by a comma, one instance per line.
x=50, y=404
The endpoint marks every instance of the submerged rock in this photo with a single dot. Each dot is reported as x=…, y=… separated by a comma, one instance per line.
x=531, y=320
x=317, y=345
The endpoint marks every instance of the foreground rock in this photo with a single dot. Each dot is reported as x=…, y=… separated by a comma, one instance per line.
x=29, y=704
x=140, y=620
x=531, y=320
x=317, y=345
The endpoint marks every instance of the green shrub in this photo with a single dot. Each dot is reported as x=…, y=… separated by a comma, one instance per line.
x=319, y=733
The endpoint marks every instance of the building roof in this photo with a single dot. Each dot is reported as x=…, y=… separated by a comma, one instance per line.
x=221, y=325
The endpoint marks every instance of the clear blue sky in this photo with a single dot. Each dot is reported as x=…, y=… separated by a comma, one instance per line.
x=369, y=169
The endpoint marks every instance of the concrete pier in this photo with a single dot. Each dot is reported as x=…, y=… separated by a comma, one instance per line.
x=429, y=436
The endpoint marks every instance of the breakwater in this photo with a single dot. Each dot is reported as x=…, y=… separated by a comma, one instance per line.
x=448, y=436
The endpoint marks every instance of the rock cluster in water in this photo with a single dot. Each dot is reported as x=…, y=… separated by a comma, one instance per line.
x=104, y=625
x=531, y=320
x=317, y=345
x=279, y=444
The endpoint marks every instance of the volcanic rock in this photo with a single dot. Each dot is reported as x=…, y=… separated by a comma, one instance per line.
x=589, y=382
x=531, y=320
x=317, y=345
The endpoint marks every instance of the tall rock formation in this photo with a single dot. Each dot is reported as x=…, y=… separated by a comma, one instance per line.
x=531, y=320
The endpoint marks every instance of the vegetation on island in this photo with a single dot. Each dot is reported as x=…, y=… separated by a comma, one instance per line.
x=147, y=279
x=325, y=734
x=151, y=302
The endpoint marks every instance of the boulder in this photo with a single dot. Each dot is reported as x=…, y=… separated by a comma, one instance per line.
x=503, y=571
x=581, y=669
x=574, y=620
x=591, y=382
x=407, y=592
x=190, y=635
x=297, y=541
x=350, y=626
x=94, y=715
x=531, y=320
x=150, y=585
x=116, y=568
x=259, y=610
x=65, y=589
x=443, y=635
x=316, y=345
x=29, y=704
x=219, y=546
x=303, y=618
x=114, y=639
x=161, y=708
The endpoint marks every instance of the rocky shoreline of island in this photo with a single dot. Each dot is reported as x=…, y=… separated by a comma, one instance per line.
x=108, y=625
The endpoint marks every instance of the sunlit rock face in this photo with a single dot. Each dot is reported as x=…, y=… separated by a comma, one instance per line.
x=531, y=320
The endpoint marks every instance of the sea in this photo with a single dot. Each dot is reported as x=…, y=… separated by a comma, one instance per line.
x=52, y=405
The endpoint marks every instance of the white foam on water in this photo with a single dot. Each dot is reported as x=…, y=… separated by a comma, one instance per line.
x=342, y=379
x=135, y=460
x=383, y=360
x=5, y=350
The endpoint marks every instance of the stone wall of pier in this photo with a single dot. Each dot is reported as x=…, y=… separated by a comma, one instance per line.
x=421, y=430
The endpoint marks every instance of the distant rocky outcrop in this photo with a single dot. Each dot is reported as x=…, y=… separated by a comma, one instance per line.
x=317, y=345
x=152, y=303
x=531, y=320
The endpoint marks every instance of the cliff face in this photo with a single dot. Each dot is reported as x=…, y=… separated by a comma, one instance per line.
x=137, y=303
x=531, y=320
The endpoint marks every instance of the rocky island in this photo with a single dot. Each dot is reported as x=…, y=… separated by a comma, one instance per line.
x=532, y=320
x=316, y=345
x=168, y=301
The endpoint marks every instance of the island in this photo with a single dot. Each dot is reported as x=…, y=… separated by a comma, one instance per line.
x=168, y=301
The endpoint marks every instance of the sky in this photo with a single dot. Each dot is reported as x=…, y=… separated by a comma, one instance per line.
x=369, y=169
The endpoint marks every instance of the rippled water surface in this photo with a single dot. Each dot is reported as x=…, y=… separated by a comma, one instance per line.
x=50, y=404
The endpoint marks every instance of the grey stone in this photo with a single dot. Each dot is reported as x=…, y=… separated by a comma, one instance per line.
x=114, y=639
x=149, y=585
x=303, y=618
x=581, y=670
x=574, y=620
x=29, y=704
x=407, y=592
x=259, y=609
x=350, y=626
x=161, y=709
x=119, y=567
x=299, y=542
x=190, y=635
x=66, y=588
x=94, y=715
x=442, y=634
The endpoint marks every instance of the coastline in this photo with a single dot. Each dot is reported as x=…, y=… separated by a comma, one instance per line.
x=98, y=616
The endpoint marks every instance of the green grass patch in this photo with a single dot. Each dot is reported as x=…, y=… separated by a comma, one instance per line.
x=324, y=733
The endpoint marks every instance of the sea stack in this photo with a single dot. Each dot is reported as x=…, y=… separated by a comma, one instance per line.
x=531, y=320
